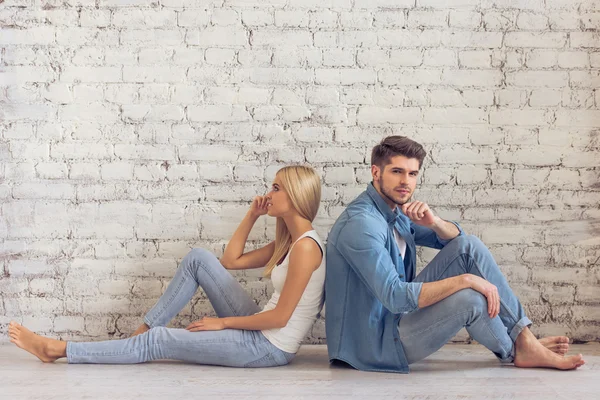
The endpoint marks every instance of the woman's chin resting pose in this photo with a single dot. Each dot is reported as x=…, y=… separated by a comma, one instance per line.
x=242, y=335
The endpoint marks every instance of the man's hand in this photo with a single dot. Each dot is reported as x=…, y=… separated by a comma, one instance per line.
x=488, y=290
x=420, y=214
x=207, y=324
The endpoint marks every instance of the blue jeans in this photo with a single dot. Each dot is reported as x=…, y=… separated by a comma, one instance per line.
x=228, y=347
x=424, y=331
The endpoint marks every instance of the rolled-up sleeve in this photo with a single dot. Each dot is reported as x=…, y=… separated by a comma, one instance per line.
x=428, y=238
x=362, y=244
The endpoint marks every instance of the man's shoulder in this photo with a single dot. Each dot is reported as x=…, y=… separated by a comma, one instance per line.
x=358, y=219
x=361, y=209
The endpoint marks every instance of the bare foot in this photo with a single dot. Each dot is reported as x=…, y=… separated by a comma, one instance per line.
x=141, y=329
x=558, y=344
x=530, y=353
x=46, y=349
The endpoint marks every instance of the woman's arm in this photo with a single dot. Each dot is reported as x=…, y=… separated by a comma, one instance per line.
x=234, y=257
x=304, y=259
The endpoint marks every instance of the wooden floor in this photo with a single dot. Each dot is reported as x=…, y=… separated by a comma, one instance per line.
x=455, y=372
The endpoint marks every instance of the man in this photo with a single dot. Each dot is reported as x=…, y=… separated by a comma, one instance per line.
x=381, y=317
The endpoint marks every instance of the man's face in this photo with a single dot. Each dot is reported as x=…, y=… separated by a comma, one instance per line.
x=397, y=181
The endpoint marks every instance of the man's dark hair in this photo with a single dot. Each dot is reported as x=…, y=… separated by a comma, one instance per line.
x=392, y=146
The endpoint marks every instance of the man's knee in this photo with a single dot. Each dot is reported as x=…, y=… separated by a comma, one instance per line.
x=470, y=244
x=471, y=300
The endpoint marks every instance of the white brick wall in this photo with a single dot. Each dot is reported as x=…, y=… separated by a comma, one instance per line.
x=132, y=131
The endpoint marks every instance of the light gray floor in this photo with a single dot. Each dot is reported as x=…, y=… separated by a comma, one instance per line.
x=455, y=372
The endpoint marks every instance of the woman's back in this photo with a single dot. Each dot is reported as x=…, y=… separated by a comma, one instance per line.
x=306, y=312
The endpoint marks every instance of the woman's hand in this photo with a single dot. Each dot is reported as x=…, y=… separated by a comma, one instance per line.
x=207, y=324
x=259, y=206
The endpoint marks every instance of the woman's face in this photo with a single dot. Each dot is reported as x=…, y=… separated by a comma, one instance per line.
x=278, y=201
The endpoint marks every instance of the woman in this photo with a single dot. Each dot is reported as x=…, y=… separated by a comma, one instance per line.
x=242, y=335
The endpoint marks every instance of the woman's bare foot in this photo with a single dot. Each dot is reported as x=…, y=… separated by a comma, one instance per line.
x=46, y=349
x=558, y=344
x=530, y=353
x=141, y=329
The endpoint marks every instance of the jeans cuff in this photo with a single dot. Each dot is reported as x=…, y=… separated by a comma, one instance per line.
x=147, y=322
x=69, y=351
x=518, y=328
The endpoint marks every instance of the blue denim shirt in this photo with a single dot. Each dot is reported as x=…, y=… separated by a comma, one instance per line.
x=369, y=285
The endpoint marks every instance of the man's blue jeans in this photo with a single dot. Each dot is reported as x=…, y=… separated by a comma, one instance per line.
x=424, y=331
x=228, y=347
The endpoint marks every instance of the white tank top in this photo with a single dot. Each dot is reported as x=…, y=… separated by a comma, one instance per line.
x=290, y=336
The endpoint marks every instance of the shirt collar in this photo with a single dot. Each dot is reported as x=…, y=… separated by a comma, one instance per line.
x=385, y=210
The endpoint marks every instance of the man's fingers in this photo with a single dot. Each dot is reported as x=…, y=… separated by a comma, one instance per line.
x=496, y=303
x=410, y=212
x=404, y=208
x=421, y=210
x=498, y=312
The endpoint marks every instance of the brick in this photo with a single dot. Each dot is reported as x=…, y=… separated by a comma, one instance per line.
x=465, y=19
x=330, y=154
x=154, y=37
x=377, y=115
x=209, y=153
x=44, y=191
x=83, y=36
x=584, y=39
x=519, y=117
x=33, y=36
x=144, y=152
x=215, y=113
x=29, y=267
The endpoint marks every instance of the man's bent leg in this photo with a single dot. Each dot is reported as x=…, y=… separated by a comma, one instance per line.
x=468, y=255
x=424, y=331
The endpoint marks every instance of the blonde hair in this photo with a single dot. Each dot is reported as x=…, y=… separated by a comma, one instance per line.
x=303, y=186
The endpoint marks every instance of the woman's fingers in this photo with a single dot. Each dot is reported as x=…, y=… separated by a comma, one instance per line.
x=194, y=325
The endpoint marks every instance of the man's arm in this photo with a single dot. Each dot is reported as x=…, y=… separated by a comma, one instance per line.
x=444, y=229
x=433, y=292
x=430, y=230
x=362, y=244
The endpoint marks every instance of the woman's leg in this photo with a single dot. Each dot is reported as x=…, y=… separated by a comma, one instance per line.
x=201, y=268
x=229, y=347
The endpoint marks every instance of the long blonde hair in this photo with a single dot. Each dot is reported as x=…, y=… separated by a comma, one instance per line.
x=303, y=186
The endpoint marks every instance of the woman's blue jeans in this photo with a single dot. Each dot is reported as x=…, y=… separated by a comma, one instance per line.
x=228, y=347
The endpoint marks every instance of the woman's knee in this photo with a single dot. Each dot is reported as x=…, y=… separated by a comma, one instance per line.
x=198, y=256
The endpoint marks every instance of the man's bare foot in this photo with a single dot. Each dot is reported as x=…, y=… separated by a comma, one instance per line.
x=141, y=329
x=558, y=344
x=530, y=353
x=46, y=349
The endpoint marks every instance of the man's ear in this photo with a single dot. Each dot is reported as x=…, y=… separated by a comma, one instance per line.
x=375, y=173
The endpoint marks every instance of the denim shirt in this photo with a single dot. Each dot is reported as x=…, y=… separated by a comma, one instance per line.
x=368, y=284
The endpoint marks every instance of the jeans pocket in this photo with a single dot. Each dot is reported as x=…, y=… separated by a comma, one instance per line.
x=264, y=361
